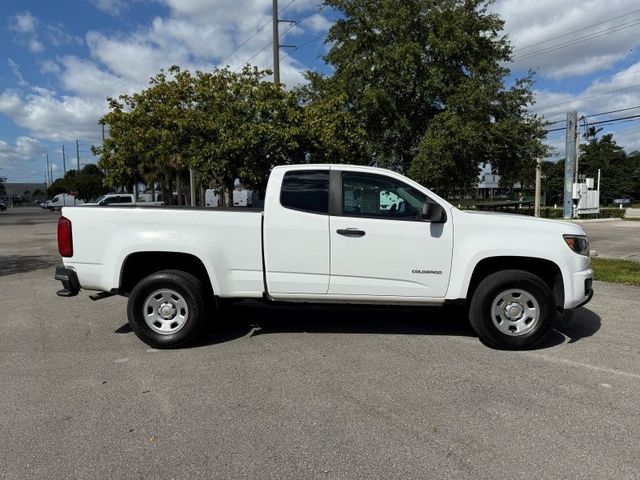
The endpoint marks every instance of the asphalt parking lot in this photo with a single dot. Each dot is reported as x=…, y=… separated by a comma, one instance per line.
x=614, y=238
x=305, y=392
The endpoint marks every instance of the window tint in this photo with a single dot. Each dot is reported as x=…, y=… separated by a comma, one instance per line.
x=379, y=196
x=306, y=190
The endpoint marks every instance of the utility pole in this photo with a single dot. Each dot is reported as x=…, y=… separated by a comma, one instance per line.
x=536, y=208
x=78, y=155
x=570, y=162
x=103, y=133
x=48, y=172
x=64, y=161
x=276, y=43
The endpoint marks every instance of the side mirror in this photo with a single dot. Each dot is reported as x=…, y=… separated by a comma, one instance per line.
x=433, y=212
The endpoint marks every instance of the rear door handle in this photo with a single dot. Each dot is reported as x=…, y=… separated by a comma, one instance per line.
x=350, y=232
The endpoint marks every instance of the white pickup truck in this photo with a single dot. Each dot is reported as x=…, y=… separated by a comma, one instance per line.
x=328, y=233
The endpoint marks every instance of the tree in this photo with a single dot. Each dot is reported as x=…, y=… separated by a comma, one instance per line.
x=620, y=172
x=243, y=126
x=552, y=174
x=226, y=125
x=617, y=168
x=427, y=81
x=87, y=184
x=2, y=187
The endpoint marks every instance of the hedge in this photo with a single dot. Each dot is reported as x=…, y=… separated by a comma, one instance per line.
x=550, y=212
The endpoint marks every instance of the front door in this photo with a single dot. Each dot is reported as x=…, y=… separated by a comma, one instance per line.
x=380, y=244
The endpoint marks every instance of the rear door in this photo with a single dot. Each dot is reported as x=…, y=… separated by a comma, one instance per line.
x=296, y=232
x=380, y=244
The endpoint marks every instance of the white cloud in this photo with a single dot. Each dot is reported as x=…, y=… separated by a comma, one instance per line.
x=134, y=58
x=49, y=66
x=604, y=32
x=15, y=68
x=195, y=34
x=55, y=118
x=26, y=27
x=112, y=7
x=629, y=138
x=25, y=148
x=618, y=92
x=23, y=23
x=19, y=160
x=87, y=80
x=30, y=31
x=621, y=90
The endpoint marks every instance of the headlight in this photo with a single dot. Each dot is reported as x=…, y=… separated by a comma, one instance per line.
x=578, y=243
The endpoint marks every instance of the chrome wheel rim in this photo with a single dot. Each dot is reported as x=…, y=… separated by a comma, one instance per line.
x=515, y=312
x=165, y=311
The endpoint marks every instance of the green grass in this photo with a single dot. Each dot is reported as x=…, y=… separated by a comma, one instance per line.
x=616, y=271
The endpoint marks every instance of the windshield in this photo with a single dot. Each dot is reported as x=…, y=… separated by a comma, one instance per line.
x=99, y=199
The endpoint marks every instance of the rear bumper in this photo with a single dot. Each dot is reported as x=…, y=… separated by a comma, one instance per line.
x=70, y=283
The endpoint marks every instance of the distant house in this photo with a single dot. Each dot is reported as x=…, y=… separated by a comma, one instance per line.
x=488, y=187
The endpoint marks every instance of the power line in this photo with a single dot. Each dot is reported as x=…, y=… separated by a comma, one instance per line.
x=297, y=22
x=302, y=19
x=576, y=31
x=603, y=122
x=303, y=45
x=598, y=94
x=599, y=114
x=245, y=42
x=254, y=34
x=612, y=111
x=576, y=41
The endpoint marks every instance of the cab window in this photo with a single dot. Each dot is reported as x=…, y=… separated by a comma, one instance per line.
x=366, y=195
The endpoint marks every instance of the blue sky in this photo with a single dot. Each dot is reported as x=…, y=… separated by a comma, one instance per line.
x=60, y=60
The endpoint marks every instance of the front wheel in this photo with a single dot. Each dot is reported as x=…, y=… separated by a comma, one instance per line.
x=512, y=309
x=166, y=309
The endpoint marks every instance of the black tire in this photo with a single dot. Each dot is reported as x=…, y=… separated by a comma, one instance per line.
x=189, y=297
x=491, y=329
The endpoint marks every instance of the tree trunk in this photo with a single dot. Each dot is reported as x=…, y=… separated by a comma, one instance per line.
x=178, y=187
x=228, y=192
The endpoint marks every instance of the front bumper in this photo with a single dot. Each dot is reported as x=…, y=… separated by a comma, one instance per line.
x=70, y=283
x=579, y=291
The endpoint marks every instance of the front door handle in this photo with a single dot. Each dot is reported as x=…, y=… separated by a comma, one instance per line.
x=350, y=232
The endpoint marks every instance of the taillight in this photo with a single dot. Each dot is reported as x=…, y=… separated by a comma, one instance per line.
x=65, y=240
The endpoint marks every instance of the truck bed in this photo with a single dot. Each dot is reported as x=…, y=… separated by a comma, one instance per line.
x=226, y=242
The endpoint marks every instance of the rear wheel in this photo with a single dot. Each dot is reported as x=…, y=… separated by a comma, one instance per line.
x=512, y=309
x=166, y=309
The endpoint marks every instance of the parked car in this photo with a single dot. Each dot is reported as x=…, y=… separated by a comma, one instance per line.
x=3, y=206
x=120, y=200
x=327, y=236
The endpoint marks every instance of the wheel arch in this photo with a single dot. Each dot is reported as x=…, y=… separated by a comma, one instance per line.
x=138, y=265
x=546, y=269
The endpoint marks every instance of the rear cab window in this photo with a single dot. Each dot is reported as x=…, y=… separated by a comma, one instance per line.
x=306, y=190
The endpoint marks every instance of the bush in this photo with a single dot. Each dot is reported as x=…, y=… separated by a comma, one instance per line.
x=612, y=212
x=549, y=212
